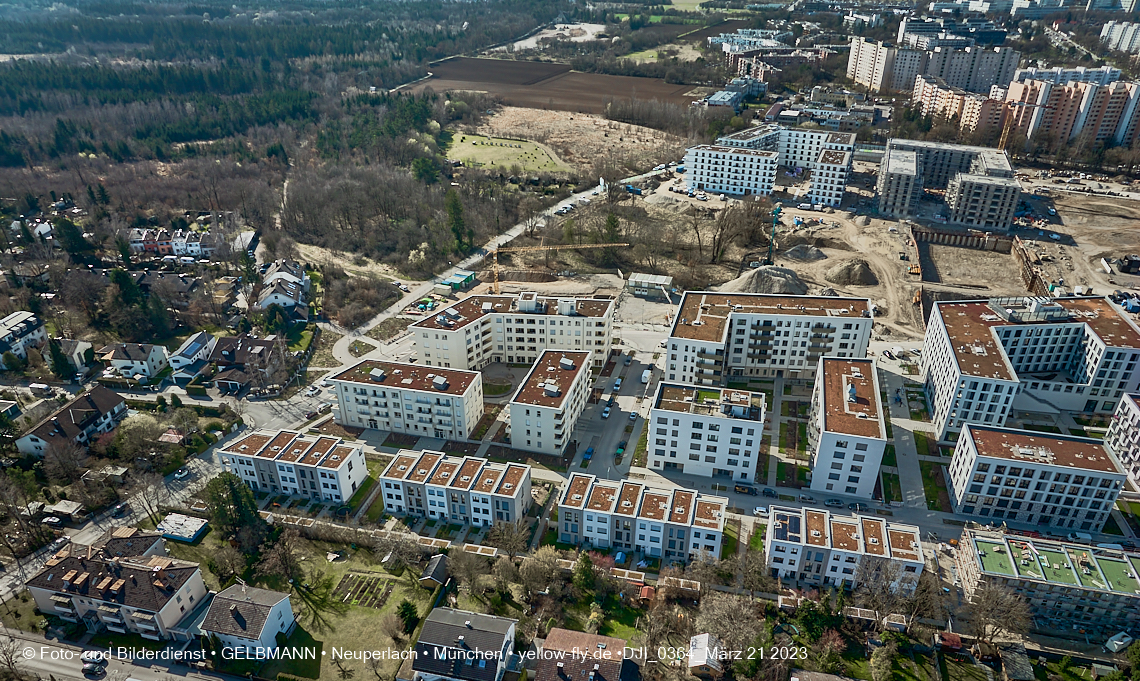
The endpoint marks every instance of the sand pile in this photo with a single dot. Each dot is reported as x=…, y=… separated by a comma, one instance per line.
x=768, y=279
x=855, y=272
x=804, y=252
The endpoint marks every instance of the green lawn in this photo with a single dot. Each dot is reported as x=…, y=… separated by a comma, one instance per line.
x=480, y=151
x=756, y=541
x=937, y=498
x=299, y=337
x=375, y=510
x=924, y=444
x=892, y=488
x=961, y=670
x=1083, y=432
x=921, y=669
x=1110, y=527
x=19, y=612
x=1041, y=428
x=889, y=456
x=361, y=494
x=731, y=539
x=496, y=389
x=620, y=621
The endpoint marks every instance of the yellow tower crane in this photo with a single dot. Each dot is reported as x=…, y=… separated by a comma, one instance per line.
x=531, y=249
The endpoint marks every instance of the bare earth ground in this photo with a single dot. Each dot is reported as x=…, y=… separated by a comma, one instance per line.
x=1102, y=227
x=580, y=139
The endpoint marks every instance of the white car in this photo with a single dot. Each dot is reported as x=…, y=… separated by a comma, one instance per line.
x=760, y=511
x=93, y=657
x=313, y=390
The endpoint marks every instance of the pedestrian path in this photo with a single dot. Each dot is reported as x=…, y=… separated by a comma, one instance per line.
x=906, y=451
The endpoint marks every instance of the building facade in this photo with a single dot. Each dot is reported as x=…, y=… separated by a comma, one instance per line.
x=1121, y=35
x=479, y=330
x=409, y=398
x=983, y=358
x=1102, y=75
x=847, y=432
x=543, y=413
x=246, y=618
x=679, y=524
x=468, y=490
x=987, y=196
x=456, y=645
x=135, y=359
x=78, y=422
x=899, y=185
x=1123, y=436
x=317, y=467
x=1068, y=111
x=730, y=170
x=717, y=337
x=19, y=332
x=713, y=432
x=819, y=548
x=829, y=179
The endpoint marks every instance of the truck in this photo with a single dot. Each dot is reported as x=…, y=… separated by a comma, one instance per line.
x=645, y=375
x=636, y=191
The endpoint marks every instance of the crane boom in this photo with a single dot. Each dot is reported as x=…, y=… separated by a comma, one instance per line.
x=532, y=249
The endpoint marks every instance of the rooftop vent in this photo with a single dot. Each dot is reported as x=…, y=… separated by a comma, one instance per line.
x=873, y=541
x=376, y=374
x=851, y=392
x=439, y=382
x=566, y=363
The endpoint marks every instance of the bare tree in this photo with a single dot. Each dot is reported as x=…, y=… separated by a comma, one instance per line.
x=995, y=610
x=229, y=561
x=538, y=571
x=399, y=551
x=512, y=538
x=280, y=558
x=729, y=224
x=735, y=620
x=152, y=495
x=11, y=650
x=64, y=461
x=754, y=570
x=505, y=573
x=467, y=568
x=530, y=213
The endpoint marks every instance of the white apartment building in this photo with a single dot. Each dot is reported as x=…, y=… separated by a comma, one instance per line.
x=409, y=398
x=679, y=524
x=816, y=547
x=1059, y=75
x=881, y=67
x=712, y=432
x=544, y=411
x=722, y=337
x=1121, y=35
x=1123, y=436
x=468, y=490
x=479, y=330
x=829, y=179
x=20, y=331
x=985, y=357
x=316, y=467
x=1043, y=479
x=807, y=148
x=847, y=433
x=730, y=170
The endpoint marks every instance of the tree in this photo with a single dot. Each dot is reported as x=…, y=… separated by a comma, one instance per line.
x=996, y=610
x=63, y=461
x=279, y=558
x=233, y=506
x=137, y=435
x=176, y=402
x=152, y=495
x=229, y=562
x=13, y=362
x=316, y=596
x=425, y=170
x=185, y=420
x=70, y=236
x=505, y=573
x=11, y=656
x=538, y=570
x=408, y=614
x=829, y=651
x=512, y=538
x=736, y=621
x=467, y=568
x=883, y=660
x=60, y=364
x=754, y=570
x=584, y=573
x=397, y=551
x=455, y=220
x=728, y=225
x=124, y=249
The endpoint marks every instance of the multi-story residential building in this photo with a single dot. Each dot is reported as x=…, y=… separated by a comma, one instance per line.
x=77, y=422
x=730, y=170
x=285, y=294
x=456, y=645
x=985, y=357
x=1101, y=113
x=817, y=547
x=543, y=413
x=973, y=112
x=679, y=524
x=409, y=398
x=249, y=619
x=19, y=332
x=135, y=359
x=148, y=595
x=899, y=185
x=1121, y=35
x=712, y=432
x=717, y=337
x=1034, y=478
x=287, y=271
x=972, y=68
x=479, y=330
x=1066, y=585
x=939, y=162
x=1123, y=436
x=808, y=149
x=847, y=433
x=467, y=490
x=1058, y=75
x=316, y=467
x=985, y=197
x=882, y=67
x=829, y=179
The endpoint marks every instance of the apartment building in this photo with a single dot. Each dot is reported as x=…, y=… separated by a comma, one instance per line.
x=985, y=197
x=1121, y=35
x=316, y=467
x=469, y=490
x=679, y=524
x=882, y=67
x=985, y=357
x=809, y=149
x=973, y=112
x=939, y=162
x=713, y=432
x=730, y=170
x=973, y=68
x=148, y=595
x=847, y=433
x=1034, y=478
x=409, y=398
x=1101, y=113
x=717, y=337
x=1123, y=436
x=479, y=330
x=19, y=332
x=819, y=548
x=1066, y=585
x=1059, y=75
x=899, y=184
x=78, y=422
x=829, y=179
x=553, y=393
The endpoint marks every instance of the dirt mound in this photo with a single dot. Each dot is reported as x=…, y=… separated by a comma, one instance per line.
x=789, y=240
x=862, y=220
x=768, y=279
x=804, y=252
x=854, y=272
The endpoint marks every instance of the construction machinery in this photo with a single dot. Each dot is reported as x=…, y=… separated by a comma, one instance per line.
x=532, y=249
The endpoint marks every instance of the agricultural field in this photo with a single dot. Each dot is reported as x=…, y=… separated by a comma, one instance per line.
x=477, y=151
x=547, y=86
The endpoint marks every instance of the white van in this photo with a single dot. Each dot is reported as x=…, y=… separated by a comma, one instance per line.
x=645, y=375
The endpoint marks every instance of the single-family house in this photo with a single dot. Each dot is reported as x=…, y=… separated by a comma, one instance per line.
x=19, y=332
x=135, y=359
x=96, y=411
x=248, y=619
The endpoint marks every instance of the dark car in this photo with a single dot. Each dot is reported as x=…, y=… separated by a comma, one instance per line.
x=745, y=489
x=769, y=492
x=120, y=510
x=857, y=507
x=92, y=669
x=621, y=447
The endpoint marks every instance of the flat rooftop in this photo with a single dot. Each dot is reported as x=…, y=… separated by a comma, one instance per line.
x=474, y=308
x=399, y=376
x=511, y=480
x=900, y=162
x=841, y=138
x=743, y=151
x=1055, y=562
x=654, y=505
x=978, y=178
x=576, y=489
x=709, y=513
x=602, y=498
x=1050, y=449
x=703, y=315
x=860, y=534
x=851, y=398
x=835, y=158
x=287, y=446
x=627, y=501
x=488, y=479
x=548, y=383
x=723, y=402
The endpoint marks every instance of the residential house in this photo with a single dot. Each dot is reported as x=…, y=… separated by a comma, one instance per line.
x=78, y=421
x=192, y=357
x=324, y=468
x=135, y=359
x=456, y=645
x=79, y=353
x=847, y=433
x=164, y=242
x=246, y=618
x=289, y=271
x=19, y=332
x=577, y=655
x=288, y=295
x=137, y=239
x=467, y=490
x=262, y=360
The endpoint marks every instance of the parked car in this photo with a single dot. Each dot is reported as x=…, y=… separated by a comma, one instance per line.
x=120, y=510
x=857, y=507
x=807, y=499
x=633, y=416
x=833, y=503
x=606, y=413
x=771, y=493
x=182, y=474
x=589, y=454
x=93, y=657
x=617, y=385
x=888, y=354
x=313, y=390
x=628, y=361
x=620, y=449
x=92, y=669
x=311, y=414
x=761, y=511
x=51, y=521
x=744, y=489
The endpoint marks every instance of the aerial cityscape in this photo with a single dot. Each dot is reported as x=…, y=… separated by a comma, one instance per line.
x=508, y=340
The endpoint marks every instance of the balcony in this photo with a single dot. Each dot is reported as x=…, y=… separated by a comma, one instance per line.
x=717, y=355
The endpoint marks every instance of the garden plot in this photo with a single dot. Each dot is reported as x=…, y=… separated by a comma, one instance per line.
x=366, y=591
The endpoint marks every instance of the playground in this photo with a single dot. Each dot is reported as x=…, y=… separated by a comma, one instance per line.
x=478, y=151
